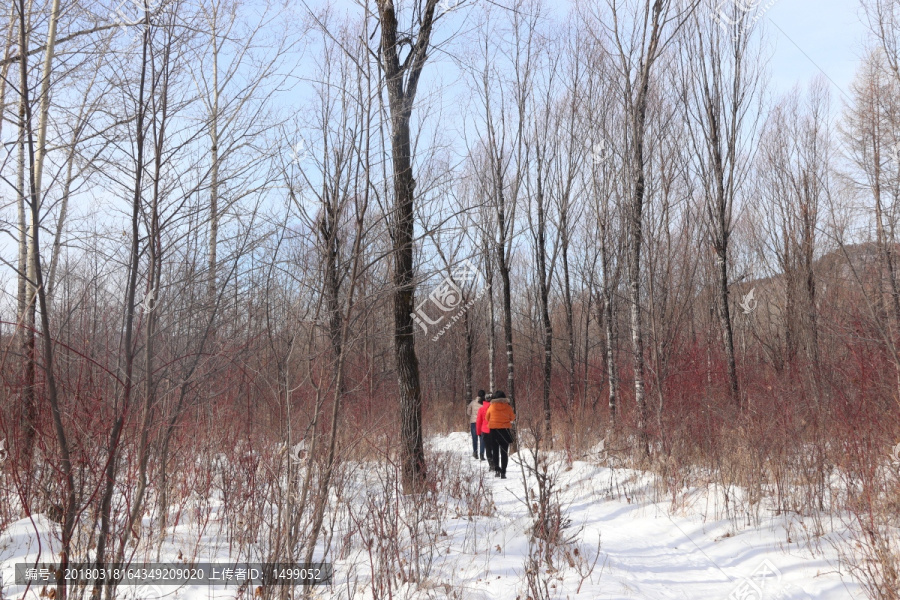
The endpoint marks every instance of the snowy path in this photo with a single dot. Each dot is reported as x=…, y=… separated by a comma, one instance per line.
x=648, y=554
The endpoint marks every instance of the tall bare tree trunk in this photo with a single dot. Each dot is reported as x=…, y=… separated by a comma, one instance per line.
x=40, y=153
x=150, y=314
x=467, y=324
x=506, y=296
x=727, y=330
x=723, y=84
x=612, y=372
x=25, y=304
x=636, y=95
x=541, y=250
x=402, y=81
x=635, y=240
x=128, y=351
x=25, y=308
x=214, y=170
x=492, y=318
x=339, y=323
x=567, y=297
x=30, y=238
x=70, y=510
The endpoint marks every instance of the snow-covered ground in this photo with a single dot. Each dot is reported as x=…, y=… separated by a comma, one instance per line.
x=475, y=550
x=648, y=553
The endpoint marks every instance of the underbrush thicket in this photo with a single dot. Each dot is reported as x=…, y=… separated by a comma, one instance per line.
x=240, y=475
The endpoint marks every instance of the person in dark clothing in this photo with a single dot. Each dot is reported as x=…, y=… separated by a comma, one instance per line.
x=502, y=439
x=500, y=417
x=472, y=410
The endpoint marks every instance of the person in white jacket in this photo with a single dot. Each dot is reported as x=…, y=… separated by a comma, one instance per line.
x=472, y=409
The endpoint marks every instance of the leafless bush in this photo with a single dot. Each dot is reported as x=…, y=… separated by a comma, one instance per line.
x=394, y=533
x=471, y=496
x=873, y=551
x=552, y=543
x=874, y=560
x=399, y=539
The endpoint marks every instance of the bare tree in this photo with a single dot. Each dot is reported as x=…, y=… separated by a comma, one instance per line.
x=639, y=34
x=70, y=509
x=505, y=102
x=341, y=182
x=602, y=175
x=402, y=82
x=795, y=155
x=492, y=319
x=871, y=133
x=236, y=104
x=540, y=148
x=569, y=165
x=722, y=75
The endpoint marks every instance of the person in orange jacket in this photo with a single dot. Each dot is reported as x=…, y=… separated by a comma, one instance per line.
x=500, y=417
x=481, y=428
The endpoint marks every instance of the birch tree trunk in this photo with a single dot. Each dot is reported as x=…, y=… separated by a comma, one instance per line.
x=25, y=316
x=636, y=64
x=70, y=509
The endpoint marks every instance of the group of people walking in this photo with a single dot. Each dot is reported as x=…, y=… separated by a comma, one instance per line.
x=490, y=418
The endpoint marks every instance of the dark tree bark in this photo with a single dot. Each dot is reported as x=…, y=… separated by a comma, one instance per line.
x=567, y=297
x=492, y=319
x=149, y=304
x=503, y=266
x=722, y=85
x=543, y=285
x=128, y=347
x=402, y=79
x=467, y=323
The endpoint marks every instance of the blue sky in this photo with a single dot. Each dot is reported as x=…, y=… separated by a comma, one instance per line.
x=829, y=33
